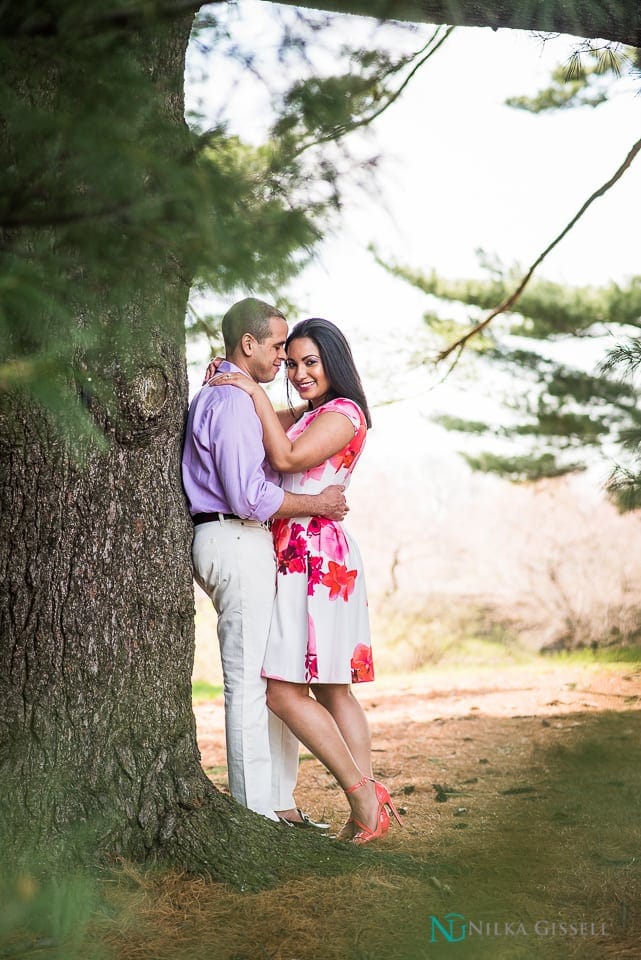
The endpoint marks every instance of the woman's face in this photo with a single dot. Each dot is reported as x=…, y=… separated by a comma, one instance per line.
x=305, y=371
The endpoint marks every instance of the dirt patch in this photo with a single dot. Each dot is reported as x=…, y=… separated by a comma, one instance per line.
x=519, y=790
x=416, y=720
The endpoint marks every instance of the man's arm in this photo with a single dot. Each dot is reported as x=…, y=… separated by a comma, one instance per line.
x=329, y=503
x=236, y=446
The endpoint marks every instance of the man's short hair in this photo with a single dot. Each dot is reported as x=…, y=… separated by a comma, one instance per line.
x=248, y=316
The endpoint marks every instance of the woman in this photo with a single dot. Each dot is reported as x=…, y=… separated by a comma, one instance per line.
x=319, y=636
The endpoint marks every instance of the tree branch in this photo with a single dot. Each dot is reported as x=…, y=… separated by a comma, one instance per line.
x=59, y=219
x=511, y=300
x=618, y=20
x=431, y=47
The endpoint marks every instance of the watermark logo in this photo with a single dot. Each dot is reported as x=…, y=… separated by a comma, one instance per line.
x=452, y=927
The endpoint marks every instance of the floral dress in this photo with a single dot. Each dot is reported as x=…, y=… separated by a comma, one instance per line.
x=319, y=630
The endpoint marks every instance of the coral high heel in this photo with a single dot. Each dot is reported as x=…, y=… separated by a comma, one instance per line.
x=385, y=800
x=365, y=834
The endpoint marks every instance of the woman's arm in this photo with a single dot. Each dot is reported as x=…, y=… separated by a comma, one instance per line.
x=288, y=417
x=324, y=437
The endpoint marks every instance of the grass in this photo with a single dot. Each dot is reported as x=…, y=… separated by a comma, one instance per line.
x=609, y=654
x=518, y=824
x=202, y=690
x=547, y=835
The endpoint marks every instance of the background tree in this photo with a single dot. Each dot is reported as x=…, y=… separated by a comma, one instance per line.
x=558, y=411
x=624, y=362
x=542, y=353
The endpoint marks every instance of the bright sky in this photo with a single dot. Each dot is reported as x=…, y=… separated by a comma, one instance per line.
x=460, y=171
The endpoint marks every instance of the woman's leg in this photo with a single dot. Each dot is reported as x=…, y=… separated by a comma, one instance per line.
x=315, y=726
x=350, y=719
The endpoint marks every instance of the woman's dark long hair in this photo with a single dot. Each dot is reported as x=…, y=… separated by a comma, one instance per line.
x=336, y=357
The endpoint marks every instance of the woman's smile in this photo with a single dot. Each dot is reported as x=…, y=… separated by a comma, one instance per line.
x=305, y=370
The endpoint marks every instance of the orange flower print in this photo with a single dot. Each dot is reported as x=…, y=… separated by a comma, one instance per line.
x=362, y=664
x=340, y=580
x=280, y=533
x=344, y=457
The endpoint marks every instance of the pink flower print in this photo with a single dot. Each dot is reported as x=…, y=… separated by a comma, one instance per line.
x=314, y=473
x=291, y=549
x=340, y=580
x=362, y=663
x=327, y=537
x=311, y=654
x=316, y=524
x=314, y=573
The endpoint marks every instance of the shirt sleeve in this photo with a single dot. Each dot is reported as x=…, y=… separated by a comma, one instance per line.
x=237, y=444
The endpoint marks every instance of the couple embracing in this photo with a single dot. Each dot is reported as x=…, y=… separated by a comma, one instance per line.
x=266, y=494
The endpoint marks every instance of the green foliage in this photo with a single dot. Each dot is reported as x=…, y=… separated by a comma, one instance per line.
x=110, y=204
x=521, y=468
x=624, y=484
x=545, y=308
x=585, y=81
x=558, y=408
x=113, y=189
x=463, y=426
x=572, y=426
x=52, y=915
x=319, y=109
x=250, y=232
x=202, y=691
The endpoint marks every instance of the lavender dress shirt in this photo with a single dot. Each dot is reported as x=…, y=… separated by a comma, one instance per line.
x=223, y=466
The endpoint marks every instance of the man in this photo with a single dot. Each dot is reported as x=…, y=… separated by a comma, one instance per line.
x=232, y=494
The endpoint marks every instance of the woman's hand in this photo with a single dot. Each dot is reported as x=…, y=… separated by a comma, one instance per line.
x=212, y=369
x=235, y=380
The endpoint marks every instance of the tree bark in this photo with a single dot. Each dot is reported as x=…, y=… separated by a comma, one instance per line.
x=619, y=21
x=98, y=751
x=96, y=730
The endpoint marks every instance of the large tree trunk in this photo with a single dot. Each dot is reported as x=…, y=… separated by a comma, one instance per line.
x=96, y=726
x=98, y=751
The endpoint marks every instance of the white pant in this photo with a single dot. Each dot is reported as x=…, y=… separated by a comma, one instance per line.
x=235, y=565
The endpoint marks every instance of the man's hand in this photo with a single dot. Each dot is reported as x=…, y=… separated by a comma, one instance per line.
x=332, y=503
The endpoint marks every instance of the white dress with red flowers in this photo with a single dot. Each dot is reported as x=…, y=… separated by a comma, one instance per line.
x=320, y=625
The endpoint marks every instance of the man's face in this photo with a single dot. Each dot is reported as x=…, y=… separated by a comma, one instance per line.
x=268, y=355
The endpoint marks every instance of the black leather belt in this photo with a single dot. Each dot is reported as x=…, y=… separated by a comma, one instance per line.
x=209, y=517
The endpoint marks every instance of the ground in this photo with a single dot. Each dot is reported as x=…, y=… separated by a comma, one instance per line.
x=519, y=789
x=453, y=723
